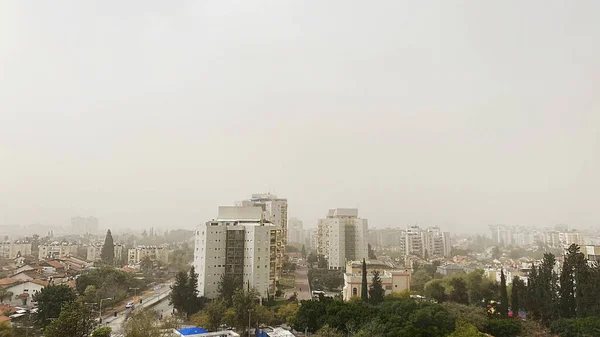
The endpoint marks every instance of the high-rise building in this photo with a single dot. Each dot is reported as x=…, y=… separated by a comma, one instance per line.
x=275, y=211
x=94, y=252
x=425, y=242
x=83, y=226
x=237, y=243
x=501, y=235
x=295, y=231
x=342, y=237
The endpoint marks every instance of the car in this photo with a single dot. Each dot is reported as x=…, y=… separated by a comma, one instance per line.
x=130, y=305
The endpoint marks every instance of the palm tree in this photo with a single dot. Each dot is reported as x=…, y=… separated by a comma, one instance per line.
x=5, y=295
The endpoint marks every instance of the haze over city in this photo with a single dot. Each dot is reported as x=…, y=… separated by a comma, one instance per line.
x=152, y=113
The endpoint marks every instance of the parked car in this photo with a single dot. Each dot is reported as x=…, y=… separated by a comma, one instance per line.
x=130, y=305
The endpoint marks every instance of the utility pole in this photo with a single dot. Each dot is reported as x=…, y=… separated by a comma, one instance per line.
x=100, y=311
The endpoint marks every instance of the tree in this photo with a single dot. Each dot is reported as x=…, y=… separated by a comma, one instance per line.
x=322, y=262
x=465, y=330
x=104, y=331
x=287, y=313
x=142, y=324
x=244, y=305
x=435, y=290
x=419, y=279
x=6, y=330
x=371, y=252
x=193, y=303
x=5, y=295
x=496, y=253
x=517, y=295
x=328, y=331
x=547, y=288
x=108, y=250
x=146, y=264
x=364, y=295
x=503, y=327
x=312, y=258
x=459, y=293
x=179, y=291
x=50, y=300
x=75, y=320
x=503, y=295
x=227, y=286
x=567, y=281
x=303, y=252
x=212, y=316
x=376, y=292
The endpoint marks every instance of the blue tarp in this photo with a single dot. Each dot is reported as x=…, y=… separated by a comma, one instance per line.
x=191, y=331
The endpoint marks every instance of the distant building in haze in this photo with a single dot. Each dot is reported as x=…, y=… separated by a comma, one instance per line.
x=83, y=226
x=342, y=237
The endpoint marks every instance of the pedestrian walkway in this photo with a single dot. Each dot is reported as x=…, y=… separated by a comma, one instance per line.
x=301, y=285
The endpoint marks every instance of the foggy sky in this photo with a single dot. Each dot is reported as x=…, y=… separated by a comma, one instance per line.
x=455, y=113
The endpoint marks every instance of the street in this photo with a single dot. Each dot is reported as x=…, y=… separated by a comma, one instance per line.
x=301, y=287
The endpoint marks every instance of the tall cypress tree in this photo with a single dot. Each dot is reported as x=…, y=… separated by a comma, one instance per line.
x=517, y=294
x=108, y=250
x=364, y=292
x=548, y=288
x=567, y=283
x=503, y=296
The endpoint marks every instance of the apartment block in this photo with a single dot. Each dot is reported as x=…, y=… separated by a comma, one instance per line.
x=342, y=237
x=56, y=250
x=275, y=211
x=240, y=242
x=94, y=252
x=155, y=253
x=14, y=249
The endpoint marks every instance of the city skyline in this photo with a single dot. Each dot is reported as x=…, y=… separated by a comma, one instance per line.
x=151, y=113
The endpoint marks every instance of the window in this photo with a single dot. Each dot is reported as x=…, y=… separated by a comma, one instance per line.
x=388, y=287
x=354, y=292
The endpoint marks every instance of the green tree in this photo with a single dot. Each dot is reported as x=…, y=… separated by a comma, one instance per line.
x=108, y=250
x=503, y=295
x=179, y=292
x=244, y=305
x=50, y=300
x=364, y=295
x=227, y=286
x=142, y=324
x=376, y=292
x=503, y=327
x=465, y=330
x=322, y=261
x=6, y=330
x=435, y=290
x=517, y=295
x=419, y=279
x=547, y=295
x=75, y=320
x=303, y=252
x=312, y=258
x=103, y=331
x=496, y=253
x=328, y=331
x=459, y=293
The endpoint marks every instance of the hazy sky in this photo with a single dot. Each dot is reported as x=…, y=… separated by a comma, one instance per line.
x=457, y=113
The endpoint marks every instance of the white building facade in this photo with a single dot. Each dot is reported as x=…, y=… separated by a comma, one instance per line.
x=237, y=243
x=342, y=237
x=13, y=249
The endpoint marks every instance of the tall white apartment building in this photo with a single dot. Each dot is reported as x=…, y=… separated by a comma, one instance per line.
x=275, y=211
x=154, y=253
x=83, y=226
x=425, y=242
x=12, y=249
x=238, y=243
x=56, y=250
x=342, y=237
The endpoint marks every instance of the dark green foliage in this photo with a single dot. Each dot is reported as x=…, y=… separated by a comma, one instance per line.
x=50, y=300
x=580, y=327
x=303, y=252
x=75, y=320
x=227, y=286
x=517, y=295
x=364, y=295
x=459, y=293
x=184, y=293
x=376, y=291
x=322, y=262
x=503, y=327
x=312, y=258
x=108, y=250
x=436, y=291
x=567, y=282
x=503, y=308
x=104, y=331
x=109, y=282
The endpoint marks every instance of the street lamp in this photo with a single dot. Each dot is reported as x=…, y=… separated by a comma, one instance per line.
x=100, y=311
x=249, y=316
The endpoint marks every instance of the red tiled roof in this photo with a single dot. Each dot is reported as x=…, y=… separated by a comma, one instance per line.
x=70, y=284
x=23, y=295
x=40, y=282
x=7, y=308
x=4, y=319
x=129, y=269
x=55, y=264
x=8, y=281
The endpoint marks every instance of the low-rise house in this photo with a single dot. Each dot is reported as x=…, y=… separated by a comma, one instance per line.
x=23, y=291
x=393, y=280
x=450, y=269
x=154, y=253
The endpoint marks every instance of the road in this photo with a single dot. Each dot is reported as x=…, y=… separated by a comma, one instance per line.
x=301, y=286
x=116, y=323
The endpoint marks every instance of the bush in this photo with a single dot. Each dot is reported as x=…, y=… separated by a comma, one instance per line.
x=576, y=327
x=104, y=331
x=503, y=327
